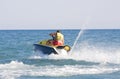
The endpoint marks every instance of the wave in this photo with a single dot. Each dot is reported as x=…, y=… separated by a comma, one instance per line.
x=15, y=69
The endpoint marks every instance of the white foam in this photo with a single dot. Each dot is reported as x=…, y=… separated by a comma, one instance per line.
x=38, y=55
x=91, y=54
x=94, y=54
x=12, y=70
x=16, y=69
x=86, y=52
x=62, y=54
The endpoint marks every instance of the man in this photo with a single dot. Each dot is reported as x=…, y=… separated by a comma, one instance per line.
x=58, y=38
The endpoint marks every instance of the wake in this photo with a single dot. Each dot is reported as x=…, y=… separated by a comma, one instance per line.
x=16, y=69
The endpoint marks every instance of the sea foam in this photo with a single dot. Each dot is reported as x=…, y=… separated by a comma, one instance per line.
x=15, y=69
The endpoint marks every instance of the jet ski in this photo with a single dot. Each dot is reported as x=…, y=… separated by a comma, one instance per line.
x=47, y=48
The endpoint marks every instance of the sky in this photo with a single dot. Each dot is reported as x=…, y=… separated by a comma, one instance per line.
x=59, y=14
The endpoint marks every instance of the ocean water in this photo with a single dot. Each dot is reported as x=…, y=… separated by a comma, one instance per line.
x=95, y=55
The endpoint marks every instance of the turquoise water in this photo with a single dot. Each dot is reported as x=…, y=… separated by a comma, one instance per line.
x=96, y=55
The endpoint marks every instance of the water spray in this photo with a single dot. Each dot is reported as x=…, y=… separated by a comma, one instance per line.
x=79, y=34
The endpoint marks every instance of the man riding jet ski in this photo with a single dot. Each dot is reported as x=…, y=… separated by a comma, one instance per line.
x=51, y=45
x=58, y=39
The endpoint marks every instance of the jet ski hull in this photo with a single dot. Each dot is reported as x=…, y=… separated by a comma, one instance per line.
x=45, y=49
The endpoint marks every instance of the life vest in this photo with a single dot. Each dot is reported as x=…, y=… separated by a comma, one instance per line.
x=57, y=43
x=59, y=37
x=59, y=40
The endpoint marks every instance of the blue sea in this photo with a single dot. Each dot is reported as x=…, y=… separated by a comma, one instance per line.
x=95, y=54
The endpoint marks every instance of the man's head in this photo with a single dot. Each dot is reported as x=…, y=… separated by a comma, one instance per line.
x=58, y=31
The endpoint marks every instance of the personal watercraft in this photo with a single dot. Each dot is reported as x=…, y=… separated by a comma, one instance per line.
x=47, y=48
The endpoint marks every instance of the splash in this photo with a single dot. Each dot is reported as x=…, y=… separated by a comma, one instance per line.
x=87, y=53
x=62, y=54
x=78, y=37
x=90, y=53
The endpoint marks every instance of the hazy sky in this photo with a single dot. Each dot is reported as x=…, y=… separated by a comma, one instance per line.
x=47, y=14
